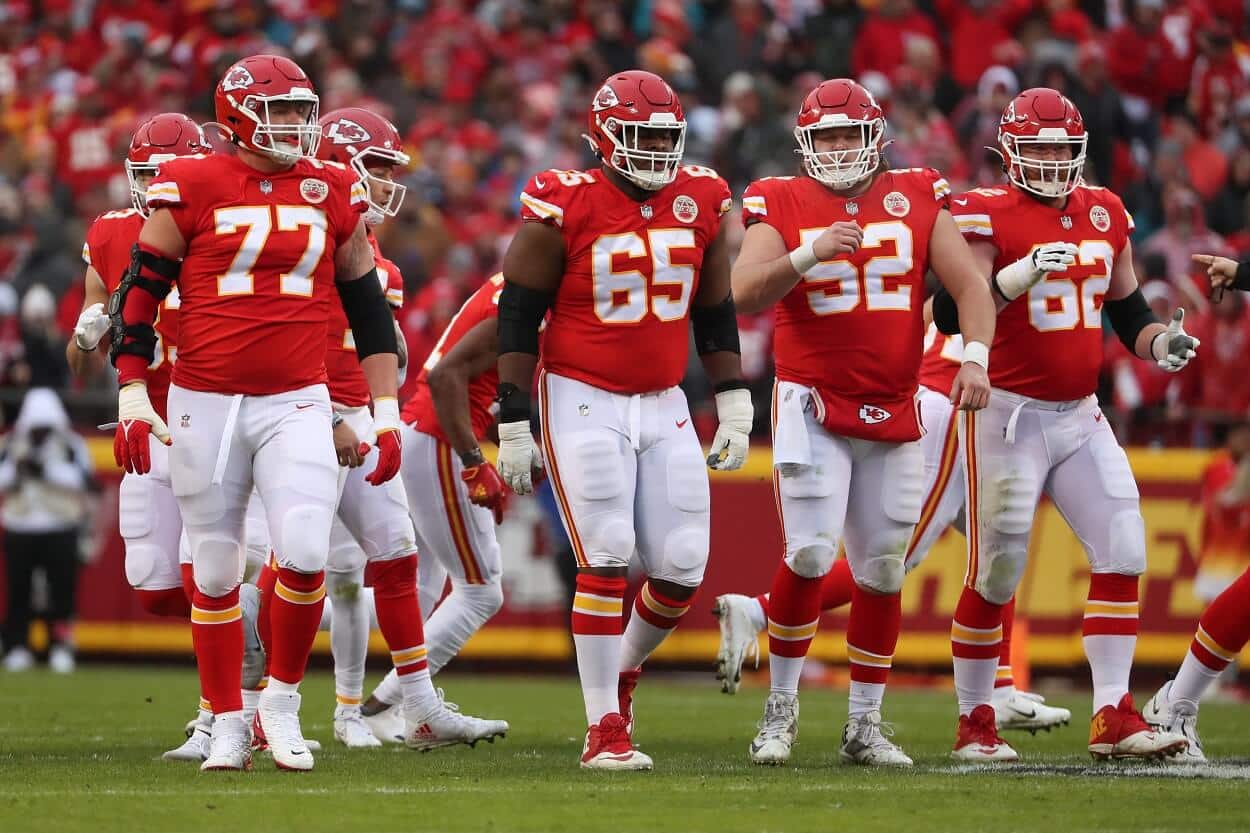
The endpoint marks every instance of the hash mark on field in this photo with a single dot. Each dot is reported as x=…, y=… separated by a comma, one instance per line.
x=1226, y=771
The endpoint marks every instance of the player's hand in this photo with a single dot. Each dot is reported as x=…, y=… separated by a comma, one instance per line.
x=841, y=238
x=1173, y=348
x=386, y=427
x=1221, y=270
x=348, y=447
x=733, y=435
x=93, y=323
x=136, y=420
x=1053, y=257
x=486, y=488
x=1017, y=278
x=520, y=464
x=971, y=391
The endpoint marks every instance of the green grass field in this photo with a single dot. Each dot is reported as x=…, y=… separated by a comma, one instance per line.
x=82, y=753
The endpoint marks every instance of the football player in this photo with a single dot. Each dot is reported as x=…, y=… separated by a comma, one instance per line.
x=1059, y=255
x=156, y=566
x=743, y=618
x=842, y=253
x=254, y=241
x=626, y=257
x=373, y=526
x=455, y=494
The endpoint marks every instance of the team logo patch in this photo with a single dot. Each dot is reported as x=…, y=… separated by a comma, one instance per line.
x=237, y=78
x=605, y=99
x=314, y=190
x=1100, y=218
x=871, y=414
x=1065, y=221
x=852, y=208
x=347, y=132
x=685, y=209
x=896, y=205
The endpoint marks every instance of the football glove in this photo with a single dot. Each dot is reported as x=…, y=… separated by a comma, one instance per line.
x=520, y=464
x=486, y=488
x=93, y=323
x=1018, y=278
x=386, y=427
x=1173, y=348
x=733, y=435
x=136, y=420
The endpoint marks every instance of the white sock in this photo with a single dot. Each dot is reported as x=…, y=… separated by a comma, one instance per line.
x=640, y=639
x=1110, y=664
x=865, y=697
x=974, y=682
x=784, y=673
x=599, y=667
x=461, y=614
x=349, y=638
x=420, y=698
x=389, y=691
x=1192, y=680
x=276, y=686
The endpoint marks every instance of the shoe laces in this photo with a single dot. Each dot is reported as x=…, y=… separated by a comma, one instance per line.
x=1185, y=722
x=285, y=726
x=447, y=704
x=984, y=731
x=614, y=733
x=872, y=732
x=778, y=717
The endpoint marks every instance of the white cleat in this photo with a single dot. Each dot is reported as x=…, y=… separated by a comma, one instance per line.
x=777, y=730
x=1177, y=718
x=1027, y=711
x=387, y=725
x=61, y=659
x=448, y=727
x=278, y=716
x=351, y=730
x=738, y=637
x=19, y=659
x=229, y=747
x=196, y=747
x=866, y=740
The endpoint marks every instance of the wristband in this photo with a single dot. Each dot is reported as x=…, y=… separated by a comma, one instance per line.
x=977, y=353
x=804, y=258
x=472, y=458
x=514, y=403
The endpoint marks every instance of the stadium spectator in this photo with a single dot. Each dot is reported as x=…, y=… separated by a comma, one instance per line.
x=45, y=475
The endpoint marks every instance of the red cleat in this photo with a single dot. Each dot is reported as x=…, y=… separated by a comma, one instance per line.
x=1120, y=732
x=608, y=746
x=978, y=740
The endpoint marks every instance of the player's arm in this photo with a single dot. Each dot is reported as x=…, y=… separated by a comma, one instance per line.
x=155, y=263
x=532, y=268
x=470, y=357
x=373, y=327
x=1138, y=329
x=93, y=325
x=966, y=281
x=765, y=271
x=1224, y=272
x=715, y=323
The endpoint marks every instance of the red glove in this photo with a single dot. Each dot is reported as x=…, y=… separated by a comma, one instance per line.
x=486, y=488
x=136, y=420
x=389, y=453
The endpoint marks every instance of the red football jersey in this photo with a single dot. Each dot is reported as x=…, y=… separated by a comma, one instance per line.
x=943, y=356
x=344, y=377
x=258, y=276
x=854, y=326
x=419, y=410
x=1048, y=343
x=107, y=250
x=620, y=320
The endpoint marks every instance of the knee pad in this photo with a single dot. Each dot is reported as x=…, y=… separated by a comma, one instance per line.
x=1001, y=569
x=218, y=565
x=1127, y=554
x=685, y=556
x=688, y=489
x=902, y=484
x=812, y=560
x=344, y=586
x=484, y=599
x=800, y=482
x=1114, y=471
x=304, y=545
x=883, y=570
x=134, y=507
x=1011, y=500
x=597, y=465
x=146, y=562
x=608, y=540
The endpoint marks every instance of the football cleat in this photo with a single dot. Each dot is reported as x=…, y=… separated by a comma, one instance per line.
x=61, y=659
x=448, y=727
x=1120, y=732
x=625, y=695
x=977, y=740
x=19, y=659
x=608, y=746
x=1179, y=718
x=228, y=747
x=196, y=747
x=738, y=637
x=351, y=730
x=1025, y=710
x=278, y=718
x=778, y=730
x=259, y=744
x=387, y=725
x=253, y=651
x=866, y=740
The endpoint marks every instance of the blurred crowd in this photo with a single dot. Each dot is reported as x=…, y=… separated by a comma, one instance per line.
x=485, y=93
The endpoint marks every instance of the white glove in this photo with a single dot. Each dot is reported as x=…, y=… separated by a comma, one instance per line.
x=1173, y=348
x=133, y=405
x=1018, y=278
x=518, y=456
x=93, y=323
x=733, y=434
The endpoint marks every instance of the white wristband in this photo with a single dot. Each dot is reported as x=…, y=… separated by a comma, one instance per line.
x=977, y=353
x=1016, y=278
x=803, y=258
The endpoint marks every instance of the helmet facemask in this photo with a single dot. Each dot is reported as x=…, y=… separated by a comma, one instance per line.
x=285, y=143
x=1047, y=178
x=374, y=184
x=840, y=169
x=139, y=190
x=650, y=170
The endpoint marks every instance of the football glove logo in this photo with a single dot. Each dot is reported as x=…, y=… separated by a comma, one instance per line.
x=238, y=78
x=347, y=132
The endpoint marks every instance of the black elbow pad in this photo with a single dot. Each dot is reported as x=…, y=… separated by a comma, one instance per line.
x=945, y=312
x=521, y=312
x=716, y=327
x=373, y=326
x=1129, y=316
x=151, y=272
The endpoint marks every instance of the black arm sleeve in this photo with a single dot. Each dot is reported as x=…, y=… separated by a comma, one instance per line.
x=716, y=327
x=373, y=326
x=1129, y=316
x=1242, y=280
x=148, y=279
x=945, y=312
x=521, y=312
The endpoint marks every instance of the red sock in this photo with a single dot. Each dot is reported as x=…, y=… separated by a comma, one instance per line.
x=217, y=632
x=1224, y=628
x=294, y=617
x=838, y=587
x=793, y=613
x=598, y=606
x=169, y=602
x=265, y=583
x=188, y=582
x=977, y=630
x=1003, y=678
x=1112, y=608
x=656, y=609
x=872, y=634
x=399, y=612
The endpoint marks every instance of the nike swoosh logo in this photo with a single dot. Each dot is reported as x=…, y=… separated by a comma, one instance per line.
x=302, y=407
x=682, y=423
x=538, y=183
x=1022, y=713
x=961, y=202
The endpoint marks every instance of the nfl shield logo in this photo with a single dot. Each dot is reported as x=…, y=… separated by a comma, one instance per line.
x=266, y=186
x=1065, y=221
x=852, y=208
x=646, y=212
